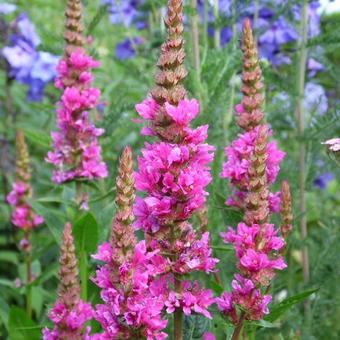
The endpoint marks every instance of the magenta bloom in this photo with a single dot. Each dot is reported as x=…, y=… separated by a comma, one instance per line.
x=23, y=215
x=129, y=303
x=174, y=173
x=69, y=324
x=77, y=153
x=253, y=163
x=236, y=169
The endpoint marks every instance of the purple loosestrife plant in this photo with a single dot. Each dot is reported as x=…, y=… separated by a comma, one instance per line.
x=28, y=65
x=77, y=153
x=23, y=215
x=174, y=172
x=132, y=307
x=252, y=166
x=70, y=313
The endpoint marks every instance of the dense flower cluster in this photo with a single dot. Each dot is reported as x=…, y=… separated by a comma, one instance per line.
x=175, y=176
x=236, y=169
x=252, y=166
x=70, y=313
x=27, y=64
x=130, y=306
x=69, y=324
x=77, y=153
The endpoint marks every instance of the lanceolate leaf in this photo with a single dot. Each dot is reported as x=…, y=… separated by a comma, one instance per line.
x=85, y=232
x=278, y=310
x=21, y=327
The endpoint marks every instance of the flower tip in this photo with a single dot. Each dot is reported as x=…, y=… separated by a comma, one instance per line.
x=247, y=24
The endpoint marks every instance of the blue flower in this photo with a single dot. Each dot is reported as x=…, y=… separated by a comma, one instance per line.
x=315, y=100
x=126, y=12
x=7, y=8
x=127, y=48
x=323, y=180
x=27, y=65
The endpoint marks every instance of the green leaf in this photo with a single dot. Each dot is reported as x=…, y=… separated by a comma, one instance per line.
x=38, y=137
x=223, y=248
x=264, y=324
x=285, y=305
x=4, y=310
x=85, y=232
x=53, y=218
x=9, y=256
x=194, y=326
x=218, y=290
x=21, y=327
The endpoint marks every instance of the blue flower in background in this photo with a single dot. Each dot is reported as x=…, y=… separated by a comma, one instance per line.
x=323, y=180
x=315, y=101
x=126, y=12
x=314, y=66
x=7, y=8
x=127, y=48
x=27, y=65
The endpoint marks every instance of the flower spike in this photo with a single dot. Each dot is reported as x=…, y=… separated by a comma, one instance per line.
x=249, y=111
x=286, y=210
x=69, y=313
x=122, y=235
x=252, y=167
x=74, y=27
x=169, y=78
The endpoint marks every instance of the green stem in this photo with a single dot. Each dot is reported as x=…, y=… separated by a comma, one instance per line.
x=83, y=274
x=256, y=19
x=217, y=33
x=302, y=147
x=83, y=263
x=178, y=315
x=238, y=328
x=195, y=39
x=28, y=279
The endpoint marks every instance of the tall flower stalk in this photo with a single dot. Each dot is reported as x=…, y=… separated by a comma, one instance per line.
x=174, y=172
x=70, y=313
x=252, y=167
x=23, y=215
x=300, y=116
x=77, y=153
x=132, y=308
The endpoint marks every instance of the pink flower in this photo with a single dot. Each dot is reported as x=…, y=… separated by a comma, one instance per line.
x=209, y=336
x=77, y=153
x=184, y=112
x=69, y=323
x=23, y=215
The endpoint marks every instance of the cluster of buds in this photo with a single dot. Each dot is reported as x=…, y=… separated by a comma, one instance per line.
x=174, y=171
x=69, y=313
x=252, y=166
x=23, y=215
x=77, y=153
